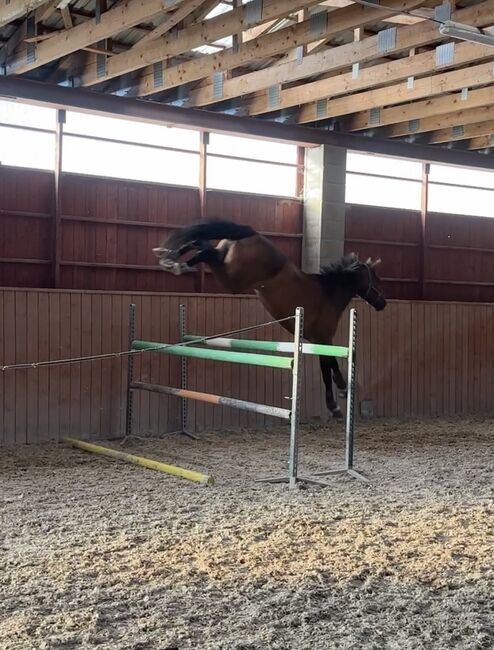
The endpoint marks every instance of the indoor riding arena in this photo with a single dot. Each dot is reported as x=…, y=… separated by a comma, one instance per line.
x=246, y=325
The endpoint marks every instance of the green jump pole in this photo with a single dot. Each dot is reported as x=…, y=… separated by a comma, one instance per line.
x=216, y=355
x=270, y=346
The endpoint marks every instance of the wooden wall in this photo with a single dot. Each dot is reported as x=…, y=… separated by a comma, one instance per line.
x=109, y=228
x=420, y=359
x=457, y=252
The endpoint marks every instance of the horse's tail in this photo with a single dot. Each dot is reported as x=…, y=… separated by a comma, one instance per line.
x=206, y=230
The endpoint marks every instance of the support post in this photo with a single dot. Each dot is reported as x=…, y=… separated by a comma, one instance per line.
x=350, y=406
x=130, y=372
x=424, y=207
x=324, y=207
x=350, y=410
x=184, y=379
x=57, y=211
x=183, y=369
x=293, y=478
x=296, y=383
x=203, y=186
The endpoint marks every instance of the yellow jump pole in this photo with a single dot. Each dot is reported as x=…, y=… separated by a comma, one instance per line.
x=188, y=474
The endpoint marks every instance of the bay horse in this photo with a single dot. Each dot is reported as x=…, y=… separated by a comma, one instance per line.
x=245, y=260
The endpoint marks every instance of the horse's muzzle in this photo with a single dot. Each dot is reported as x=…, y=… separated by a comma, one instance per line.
x=380, y=303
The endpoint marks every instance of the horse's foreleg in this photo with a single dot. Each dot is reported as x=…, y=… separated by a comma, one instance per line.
x=338, y=378
x=326, y=370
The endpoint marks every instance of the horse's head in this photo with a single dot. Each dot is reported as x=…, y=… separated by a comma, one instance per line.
x=369, y=287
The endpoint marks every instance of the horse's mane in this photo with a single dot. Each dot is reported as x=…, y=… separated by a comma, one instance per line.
x=340, y=274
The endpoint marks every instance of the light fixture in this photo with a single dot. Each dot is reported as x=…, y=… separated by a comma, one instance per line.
x=467, y=33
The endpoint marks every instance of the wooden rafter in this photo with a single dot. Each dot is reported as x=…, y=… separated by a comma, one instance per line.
x=15, y=9
x=20, y=35
x=111, y=22
x=46, y=11
x=66, y=17
x=435, y=84
x=441, y=121
x=373, y=77
x=200, y=14
x=482, y=142
x=182, y=11
x=400, y=19
x=190, y=38
x=424, y=109
x=267, y=46
x=255, y=32
x=337, y=58
x=464, y=132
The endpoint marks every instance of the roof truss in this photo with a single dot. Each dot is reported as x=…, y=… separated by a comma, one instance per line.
x=386, y=70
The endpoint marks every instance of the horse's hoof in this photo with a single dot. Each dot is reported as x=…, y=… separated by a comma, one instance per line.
x=336, y=413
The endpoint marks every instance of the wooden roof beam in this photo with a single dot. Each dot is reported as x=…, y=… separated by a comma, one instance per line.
x=439, y=122
x=190, y=38
x=260, y=30
x=269, y=45
x=181, y=13
x=310, y=94
x=111, y=22
x=236, y=20
x=423, y=109
x=462, y=132
x=379, y=98
x=16, y=9
x=338, y=58
x=46, y=11
x=483, y=142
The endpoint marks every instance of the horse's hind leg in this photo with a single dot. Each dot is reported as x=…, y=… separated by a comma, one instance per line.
x=326, y=370
x=169, y=259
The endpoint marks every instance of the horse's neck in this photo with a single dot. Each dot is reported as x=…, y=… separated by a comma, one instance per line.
x=342, y=299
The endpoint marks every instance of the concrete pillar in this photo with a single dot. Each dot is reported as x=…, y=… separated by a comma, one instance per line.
x=324, y=206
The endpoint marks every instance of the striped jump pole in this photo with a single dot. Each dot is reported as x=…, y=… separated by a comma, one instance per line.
x=219, y=400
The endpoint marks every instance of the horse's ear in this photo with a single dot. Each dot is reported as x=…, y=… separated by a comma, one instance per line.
x=368, y=261
x=376, y=262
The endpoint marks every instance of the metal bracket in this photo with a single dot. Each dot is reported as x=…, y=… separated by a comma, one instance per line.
x=30, y=32
x=413, y=125
x=442, y=13
x=458, y=131
x=445, y=54
x=218, y=85
x=318, y=24
x=253, y=12
x=101, y=63
x=386, y=40
x=375, y=116
x=410, y=83
x=355, y=70
x=274, y=96
x=464, y=94
x=299, y=54
x=321, y=108
x=158, y=74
